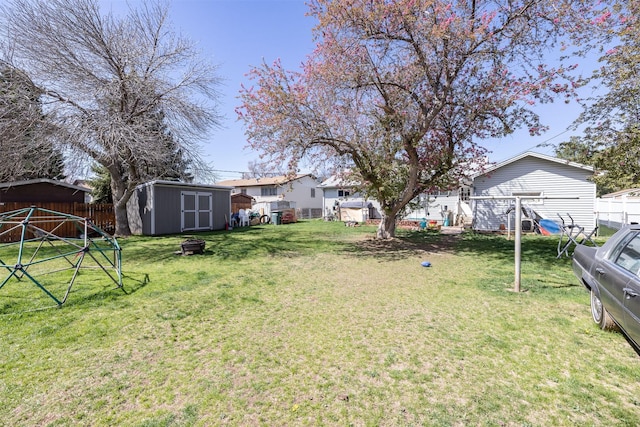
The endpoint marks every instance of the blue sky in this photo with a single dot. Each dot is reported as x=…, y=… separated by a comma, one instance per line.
x=238, y=34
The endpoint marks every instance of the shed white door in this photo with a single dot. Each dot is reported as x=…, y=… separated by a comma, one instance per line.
x=197, y=211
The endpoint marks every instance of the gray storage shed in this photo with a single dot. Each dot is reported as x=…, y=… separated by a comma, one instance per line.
x=170, y=207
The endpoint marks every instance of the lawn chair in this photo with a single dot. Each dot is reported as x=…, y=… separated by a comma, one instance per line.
x=588, y=238
x=572, y=232
x=243, y=218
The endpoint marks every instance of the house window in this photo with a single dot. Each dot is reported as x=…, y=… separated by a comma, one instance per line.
x=269, y=191
x=313, y=193
x=465, y=194
x=529, y=197
x=343, y=193
x=243, y=191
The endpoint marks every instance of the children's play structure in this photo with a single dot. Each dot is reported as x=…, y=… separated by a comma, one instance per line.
x=48, y=249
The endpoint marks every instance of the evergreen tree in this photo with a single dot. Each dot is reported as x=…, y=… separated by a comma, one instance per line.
x=28, y=152
x=577, y=150
x=618, y=164
x=100, y=184
x=176, y=165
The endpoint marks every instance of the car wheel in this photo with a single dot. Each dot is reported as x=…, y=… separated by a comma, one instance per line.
x=600, y=314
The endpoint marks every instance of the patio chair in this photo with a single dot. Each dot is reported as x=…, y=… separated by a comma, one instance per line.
x=243, y=218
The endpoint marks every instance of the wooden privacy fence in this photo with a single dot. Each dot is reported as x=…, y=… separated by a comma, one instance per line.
x=101, y=215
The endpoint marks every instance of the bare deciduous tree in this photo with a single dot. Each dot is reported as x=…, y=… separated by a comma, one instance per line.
x=257, y=169
x=104, y=80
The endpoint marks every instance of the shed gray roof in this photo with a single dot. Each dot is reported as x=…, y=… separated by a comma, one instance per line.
x=183, y=185
x=358, y=205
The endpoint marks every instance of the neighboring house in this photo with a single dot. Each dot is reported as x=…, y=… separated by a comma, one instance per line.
x=280, y=192
x=529, y=175
x=168, y=207
x=43, y=190
x=446, y=206
x=623, y=194
x=342, y=202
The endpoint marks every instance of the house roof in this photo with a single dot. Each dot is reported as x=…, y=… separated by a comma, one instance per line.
x=633, y=192
x=536, y=155
x=335, y=181
x=260, y=182
x=44, y=181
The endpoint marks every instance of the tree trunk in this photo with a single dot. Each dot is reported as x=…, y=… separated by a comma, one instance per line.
x=122, y=219
x=121, y=195
x=387, y=227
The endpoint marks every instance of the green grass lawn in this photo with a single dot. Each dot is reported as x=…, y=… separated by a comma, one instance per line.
x=315, y=323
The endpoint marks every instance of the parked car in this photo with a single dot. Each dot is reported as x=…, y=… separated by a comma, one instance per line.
x=611, y=274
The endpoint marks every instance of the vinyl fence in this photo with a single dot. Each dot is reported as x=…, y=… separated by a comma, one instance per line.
x=616, y=213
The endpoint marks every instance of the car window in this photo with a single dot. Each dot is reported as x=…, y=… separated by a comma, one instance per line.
x=628, y=255
x=614, y=251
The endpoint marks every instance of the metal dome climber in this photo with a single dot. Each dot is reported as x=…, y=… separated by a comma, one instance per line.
x=45, y=250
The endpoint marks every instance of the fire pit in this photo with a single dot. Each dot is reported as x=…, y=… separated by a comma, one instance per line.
x=192, y=246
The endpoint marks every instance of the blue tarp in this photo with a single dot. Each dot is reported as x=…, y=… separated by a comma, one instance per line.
x=550, y=225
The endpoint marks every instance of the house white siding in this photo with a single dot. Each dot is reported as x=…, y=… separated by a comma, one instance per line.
x=535, y=174
x=444, y=203
x=300, y=193
x=333, y=197
x=431, y=207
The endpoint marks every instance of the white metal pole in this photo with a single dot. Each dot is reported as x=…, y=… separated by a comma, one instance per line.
x=518, y=226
